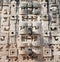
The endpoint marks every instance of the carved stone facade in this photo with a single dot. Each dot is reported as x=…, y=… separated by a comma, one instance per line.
x=29, y=31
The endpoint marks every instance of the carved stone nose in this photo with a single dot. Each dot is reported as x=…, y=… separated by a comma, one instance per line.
x=30, y=52
x=30, y=31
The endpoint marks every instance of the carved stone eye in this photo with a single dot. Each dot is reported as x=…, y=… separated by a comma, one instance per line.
x=13, y=5
x=12, y=32
x=13, y=16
